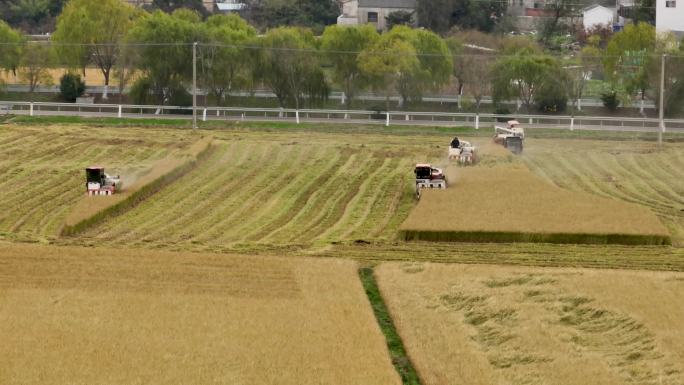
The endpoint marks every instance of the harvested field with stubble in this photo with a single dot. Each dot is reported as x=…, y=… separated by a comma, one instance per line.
x=42, y=169
x=276, y=191
x=470, y=324
x=104, y=316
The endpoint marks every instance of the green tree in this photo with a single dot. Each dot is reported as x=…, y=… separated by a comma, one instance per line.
x=170, y=6
x=472, y=67
x=386, y=62
x=11, y=42
x=71, y=86
x=224, y=61
x=441, y=15
x=434, y=63
x=399, y=18
x=35, y=64
x=627, y=56
x=288, y=64
x=164, y=51
x=522, y=76
x=92, y=32
x=315, y=14
x=342, y=46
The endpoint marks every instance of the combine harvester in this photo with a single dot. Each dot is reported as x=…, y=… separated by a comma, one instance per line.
x=462, y=151
x=99, y=183
x=428, y=177
x=511, y=136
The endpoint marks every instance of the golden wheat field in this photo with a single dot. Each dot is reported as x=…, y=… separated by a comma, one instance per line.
x=470, y=324
x=506, y=202
x=632, y=171
x=105, y=316
x=42, y=169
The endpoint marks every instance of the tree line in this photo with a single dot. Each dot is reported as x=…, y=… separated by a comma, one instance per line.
x=151, y=55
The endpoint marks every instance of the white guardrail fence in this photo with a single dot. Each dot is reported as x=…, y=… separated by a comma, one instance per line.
x=340, y=116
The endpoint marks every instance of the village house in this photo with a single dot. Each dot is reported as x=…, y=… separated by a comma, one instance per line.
x=373, y=11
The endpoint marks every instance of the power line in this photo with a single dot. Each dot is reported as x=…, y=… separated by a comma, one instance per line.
x=321, y=51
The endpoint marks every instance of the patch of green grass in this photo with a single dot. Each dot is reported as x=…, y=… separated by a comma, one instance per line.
x=396, y=347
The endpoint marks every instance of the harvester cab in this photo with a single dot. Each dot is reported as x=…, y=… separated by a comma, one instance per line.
x=99, y=183
x=428, y=177
x=462, y=151
x=511, y=136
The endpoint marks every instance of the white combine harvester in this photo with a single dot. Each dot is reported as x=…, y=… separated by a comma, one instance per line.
x=99, y=183
x=511, y=136
x=428, y=177
x=462, y=151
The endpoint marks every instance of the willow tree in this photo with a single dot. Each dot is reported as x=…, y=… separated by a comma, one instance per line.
x=11, y=43
x=342, y=45
x=429, y=58
x=91, y=32
x=288, y=63
x=224, y=58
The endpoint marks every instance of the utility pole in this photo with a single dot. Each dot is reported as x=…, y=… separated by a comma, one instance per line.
x=194, y=85
x=661, y=112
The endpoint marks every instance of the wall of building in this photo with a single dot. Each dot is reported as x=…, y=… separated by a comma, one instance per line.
x=382, y=13
x=598, y=16
x=670, y=18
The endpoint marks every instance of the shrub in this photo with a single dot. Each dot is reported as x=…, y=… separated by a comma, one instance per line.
x=71, y=87
x=140, y=91
x=610, y=99
x=552, y=99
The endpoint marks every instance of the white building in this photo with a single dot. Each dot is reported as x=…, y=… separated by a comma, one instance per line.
x=596, y=15
x=670, y=16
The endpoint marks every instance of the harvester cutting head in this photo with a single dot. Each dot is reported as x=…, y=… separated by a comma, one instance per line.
x=462, y=151
x=99, y=183
x=428, y=177
x=511, y=136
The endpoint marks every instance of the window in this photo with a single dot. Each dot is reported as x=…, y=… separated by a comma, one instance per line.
x=372, y=17
x=671, y=4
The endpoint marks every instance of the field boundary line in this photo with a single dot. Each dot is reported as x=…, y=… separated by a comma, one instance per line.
x=198, y=152
x=402, y=363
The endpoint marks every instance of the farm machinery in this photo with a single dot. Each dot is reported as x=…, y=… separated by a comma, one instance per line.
x=428, y=177
x=99, y=183
x=462, y=151
x=511, y=136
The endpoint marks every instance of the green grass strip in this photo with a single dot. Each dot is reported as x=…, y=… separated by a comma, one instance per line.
x=399, y=358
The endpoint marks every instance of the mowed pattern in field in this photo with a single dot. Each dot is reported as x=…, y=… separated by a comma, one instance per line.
x=105, y=316
x=42, y=169
x=469, y=324
x=636, y=172
x=255, y=191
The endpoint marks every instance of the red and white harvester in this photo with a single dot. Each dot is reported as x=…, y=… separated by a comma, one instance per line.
x=99, y=183
x=428, y=177
x=462, y=151
x=511, y=136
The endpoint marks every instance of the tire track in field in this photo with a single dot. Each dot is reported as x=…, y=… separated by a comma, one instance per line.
x=245, y=204
x=257, y=208
x=359, y=208
x=398, y=209
x=154, y=216
x=300, y=198
x=339, y=203
x=145, y=219
x=209, y=225
x=644, y=193
x=315, y=199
